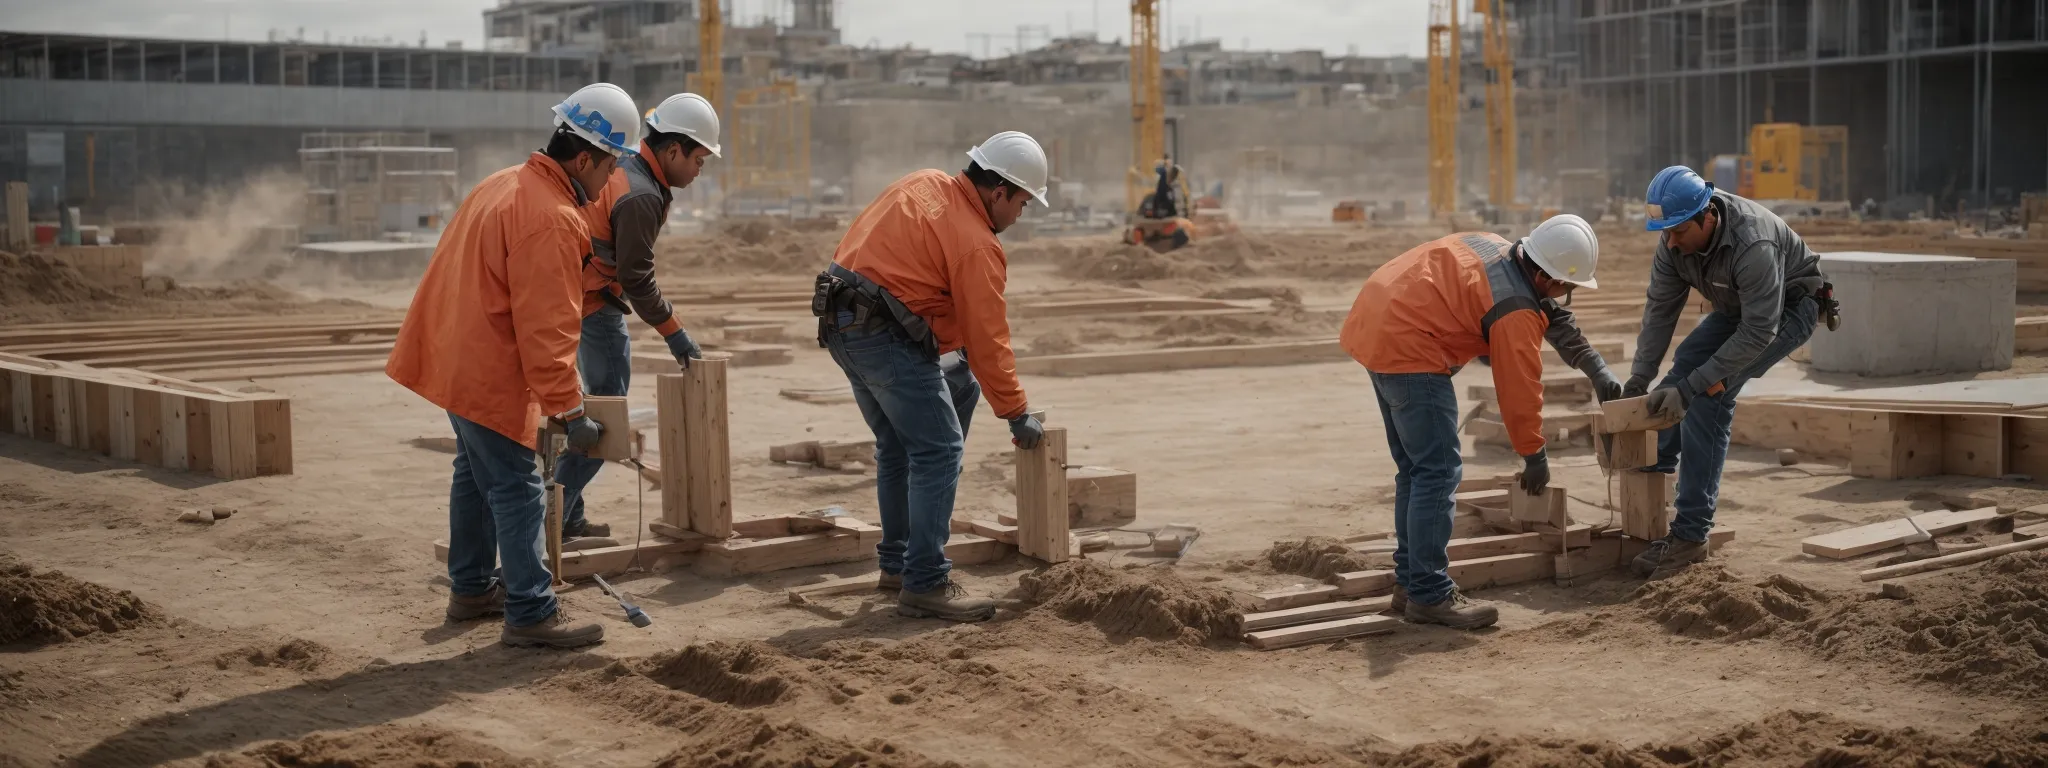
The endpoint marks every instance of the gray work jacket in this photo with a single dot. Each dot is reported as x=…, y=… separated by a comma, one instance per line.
x=1753, y=261
x=637, y=217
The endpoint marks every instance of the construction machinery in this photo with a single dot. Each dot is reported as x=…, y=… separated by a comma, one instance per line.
x=1501, y=138
x=1444, y=44
x=1788, y=161
x=1178, y=218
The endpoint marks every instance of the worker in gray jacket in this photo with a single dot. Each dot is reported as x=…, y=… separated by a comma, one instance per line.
x=1768, y=293
x=618, y=274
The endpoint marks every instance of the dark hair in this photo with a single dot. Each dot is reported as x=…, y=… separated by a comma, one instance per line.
x=658, y=141
x=1701, y=217
x=565, y=145
x=987, y=179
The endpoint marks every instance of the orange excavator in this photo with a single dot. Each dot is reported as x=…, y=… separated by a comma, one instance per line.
x=1163, y=216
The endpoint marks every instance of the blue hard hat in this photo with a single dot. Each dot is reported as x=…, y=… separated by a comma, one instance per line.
x=1676, y=194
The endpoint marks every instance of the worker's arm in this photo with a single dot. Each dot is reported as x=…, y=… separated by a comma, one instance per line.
x=1515, y=346
x=1667, y=296
x=1760, y=281
x=1573, y=348
x=635, y=223
x=978, y=280
x=543, y=275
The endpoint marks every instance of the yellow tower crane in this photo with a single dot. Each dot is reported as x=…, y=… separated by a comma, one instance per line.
x=1500, y=104
x=1444, y=43
x=711, y=53
x=1148, y=102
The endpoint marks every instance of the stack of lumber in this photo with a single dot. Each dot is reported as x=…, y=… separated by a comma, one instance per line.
x=2030, y=334
x=2001, y=428
x=217, y=349
x=150, y=419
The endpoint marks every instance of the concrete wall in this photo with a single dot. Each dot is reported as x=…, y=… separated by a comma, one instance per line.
x=86, y=102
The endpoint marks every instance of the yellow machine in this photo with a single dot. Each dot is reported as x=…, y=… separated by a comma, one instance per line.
x=1197, y=217
x=1444, y=45
x=1348, y=212
x=1788, y=161
x=1501, y=138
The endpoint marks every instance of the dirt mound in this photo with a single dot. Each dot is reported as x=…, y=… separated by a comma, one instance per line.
x=740, y=674
x=1783, y=739
x=1156, y=605
x=1709, y=602
x=385, y=746
x=1317, y=557
x=44, y=607
x=294, y=654
x=37, y=279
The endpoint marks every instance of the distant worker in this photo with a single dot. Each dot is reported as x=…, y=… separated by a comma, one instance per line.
x=491, y=337
x=919, y=275
x=1419, y=319
x=1165, y=193
x=618, y=275
x=1768, y=293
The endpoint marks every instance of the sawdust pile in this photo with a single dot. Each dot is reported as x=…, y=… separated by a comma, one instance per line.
x=34, y=278
x=294, y=654
x=751, y=245
x=741, y=674
x=1317, y=557
x=386, y=746
x=46, y=607
x=1783, y=739
x=1153, y=604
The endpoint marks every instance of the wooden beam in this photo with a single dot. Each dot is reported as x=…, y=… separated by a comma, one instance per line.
x=1356, y=583
x=1237, y=355
x=1864, y=539
x=969, y=549
x=2028, y=450
x=1295, y=597
x=1339, y=629
x=1006, y=534
x=1501, y=570
x=1098, y=496
x=1974, y=445
x=272, y=434
x=1042, y=529
x=1950, y=561
x=1632, y=414
x=1547, y=507
x=1889, y=445
x=1601, y=555
x=1633, y=450
x=1642, y=505
x=1311, y=614
x=839, y=585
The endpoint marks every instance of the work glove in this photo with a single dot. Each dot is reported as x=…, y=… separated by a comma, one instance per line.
x=584, y=433
x=1669, y=402
x=1605, y=386
x=683, y=347
x=1637, y=387
x=1535, y=472
x=1025, y=431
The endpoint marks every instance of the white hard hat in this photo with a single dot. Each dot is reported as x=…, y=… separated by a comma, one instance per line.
x=1566, y=248
x=602, y=114
x=690, y=115
x=1016, y=156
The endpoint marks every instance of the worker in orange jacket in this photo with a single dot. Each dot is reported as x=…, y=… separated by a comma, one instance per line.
x=1418, y=320
x=918, y=280
x=491, y=337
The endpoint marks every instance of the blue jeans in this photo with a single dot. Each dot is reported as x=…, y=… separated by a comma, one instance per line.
x=605, y=359
x=495, y=513
x=919, y=410
x=1702, y=438
x=1420, y=411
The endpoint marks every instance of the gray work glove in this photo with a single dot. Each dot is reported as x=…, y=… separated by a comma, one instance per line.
x=1025, y=431
x=1637, y=387
x=584, y=433
x=1605, y=386
x=1669, y=402
x=1535, y=472
x=683, y=347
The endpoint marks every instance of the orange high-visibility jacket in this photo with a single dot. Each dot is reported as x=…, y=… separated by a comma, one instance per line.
x=491, y=335
x=1434, y=308
x=622, y=263
x=928, y=242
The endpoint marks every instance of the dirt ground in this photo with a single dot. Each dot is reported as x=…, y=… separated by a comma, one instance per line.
x=306, y=628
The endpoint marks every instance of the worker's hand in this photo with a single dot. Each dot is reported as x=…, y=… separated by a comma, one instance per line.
x=1535, y=472
x=1669, y=402
x=584, y=433
x=1025, y=431
x=685, y=349
x=1637, y=387
x=1605, y=386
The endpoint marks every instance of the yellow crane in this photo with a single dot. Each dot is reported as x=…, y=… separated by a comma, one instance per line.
x=1148, y=102
x=1500, y=103
x=1444, y=43
x=711, y=53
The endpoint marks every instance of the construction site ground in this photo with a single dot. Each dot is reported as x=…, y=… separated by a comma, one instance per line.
x=308, y=626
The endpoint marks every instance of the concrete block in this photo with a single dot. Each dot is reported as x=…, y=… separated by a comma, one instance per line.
x=1906, y=313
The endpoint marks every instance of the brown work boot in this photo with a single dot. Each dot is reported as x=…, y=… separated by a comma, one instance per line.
x=1400, y=603
x=589, y=529
x=1456, y=611
x=552, y=632
x=948, y=601
x=462, y=608
x=890, y=582
x=1667, y=556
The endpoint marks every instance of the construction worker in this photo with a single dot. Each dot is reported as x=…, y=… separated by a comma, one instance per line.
x=1767, y=291
x=1419, y=319
x=491, y=337
x=680, y=135
x=917, y=277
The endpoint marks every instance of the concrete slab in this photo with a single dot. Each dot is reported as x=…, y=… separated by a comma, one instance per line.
x=369, y=259
x=1912, y=313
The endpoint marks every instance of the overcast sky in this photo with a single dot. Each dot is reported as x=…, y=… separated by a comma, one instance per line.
x=1373, y=27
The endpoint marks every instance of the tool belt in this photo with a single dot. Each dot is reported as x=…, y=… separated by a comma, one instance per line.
x=868, y=306
x=1830, y=310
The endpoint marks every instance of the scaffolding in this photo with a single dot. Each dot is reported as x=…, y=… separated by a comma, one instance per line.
x=770, y=158
x=360, y=186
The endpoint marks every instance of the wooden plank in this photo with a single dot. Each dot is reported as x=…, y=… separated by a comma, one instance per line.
x=1633, y=450
x=1295, y=597
x=651, y=555
x=121, y=422
x=1355, y=583
x=611, y=413
x=1042, y=529
x=707, y=449
x=1895, y=446
x=1006, y=534
x=97, y=397
x=2027, y=452
x=1864, y=539
x=1974, y=445
x=43, y=404
x=7, y=408
x=838, y=454
x=1950, y=561
x=694, y=539
x=1473, y=502
x=147, y=423
x=969, y=549
x=234, y=440
x=199, y=429
x=838, y=585
x=173, y=440
x=1632, y=414
x=1555, y=541
x=1556, y=389
x=1501, y=570
x=1601, y=555
x=1548, y=507
x=1642, y=505
x=272, y=434
x=2030, y=532
x=62, y=427
x=670, y=415
x=1490, y=546
x=1094, y=363
x=741, y=556
x=1288, y=637
x=1311, y=614
x=1101, y=496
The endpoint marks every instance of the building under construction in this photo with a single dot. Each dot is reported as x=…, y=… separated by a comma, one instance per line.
x=1944, y=102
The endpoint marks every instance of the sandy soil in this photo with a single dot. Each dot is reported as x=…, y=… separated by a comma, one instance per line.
x=306, y=629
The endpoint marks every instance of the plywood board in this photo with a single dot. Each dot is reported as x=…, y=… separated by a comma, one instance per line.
x=1274, y=639
x=610, y=412
x=1312, y=614
x=1864, y=539
x=1042, y=527
x=1973, y=445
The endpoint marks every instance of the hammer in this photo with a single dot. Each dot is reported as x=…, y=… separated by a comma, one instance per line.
x=633, y=612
